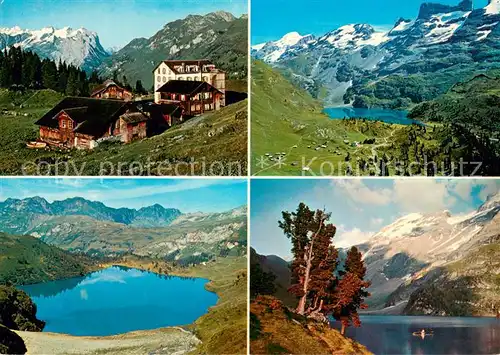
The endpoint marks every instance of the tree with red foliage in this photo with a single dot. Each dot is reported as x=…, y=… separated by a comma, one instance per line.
x=355, y=287
x=314, y=269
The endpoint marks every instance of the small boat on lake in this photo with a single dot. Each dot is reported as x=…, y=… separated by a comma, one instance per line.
x=36, y=145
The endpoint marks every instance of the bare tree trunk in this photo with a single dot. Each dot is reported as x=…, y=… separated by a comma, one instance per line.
x=308, y=256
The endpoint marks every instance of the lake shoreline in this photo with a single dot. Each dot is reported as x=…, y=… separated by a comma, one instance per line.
x=37, y=340
x=375, y=114
x=388, y=334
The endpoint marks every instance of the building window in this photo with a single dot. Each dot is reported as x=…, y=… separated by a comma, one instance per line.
x=158, y=78
x=189, y=79
x=164, y=71
x=205, y=78
x=159, y=71
x=63, y=124
x=70, y=124
x=183, y=97
x=164, y=79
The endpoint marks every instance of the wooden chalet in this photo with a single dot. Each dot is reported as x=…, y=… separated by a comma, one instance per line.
x=110, y=90
x=195, y=97
x=78, y=122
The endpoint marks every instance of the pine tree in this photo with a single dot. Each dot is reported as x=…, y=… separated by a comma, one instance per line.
x=49, y=74
x=72, y=86
x=139, y=88
x=351, y=290
x=322, y=289
x=311, y=238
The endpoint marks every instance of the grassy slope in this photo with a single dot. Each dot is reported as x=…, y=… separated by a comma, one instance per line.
x=219, y=138
x=274, y=330
x=284, y=116
x=223, y=330
x=27, y=260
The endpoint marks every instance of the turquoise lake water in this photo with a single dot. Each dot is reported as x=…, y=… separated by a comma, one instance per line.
x=388, y=335
x=376, y=114
x=119, y=300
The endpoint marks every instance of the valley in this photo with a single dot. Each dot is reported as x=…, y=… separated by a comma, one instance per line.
x=359, y=68
x=175, y=281
x=59, y=64
x=292, y=136
x=82, y=226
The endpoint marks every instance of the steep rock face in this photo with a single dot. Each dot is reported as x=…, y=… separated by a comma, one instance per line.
x=405, y=259
x=429, y=9
x=153, y=216
x=83, y=226
x=79, y=47
x=218, y=36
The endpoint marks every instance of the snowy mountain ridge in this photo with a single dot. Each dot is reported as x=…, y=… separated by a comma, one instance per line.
x=421, y=245
x=333, y=66
x=79, y=47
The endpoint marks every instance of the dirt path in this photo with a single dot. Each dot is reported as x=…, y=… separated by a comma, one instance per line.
x=173, y=340
x=385, y=144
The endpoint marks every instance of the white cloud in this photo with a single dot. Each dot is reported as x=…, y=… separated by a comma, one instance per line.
x=422, y=195
x=345, y=238
x=84, y=294
x=414, y=195
x=362, y=194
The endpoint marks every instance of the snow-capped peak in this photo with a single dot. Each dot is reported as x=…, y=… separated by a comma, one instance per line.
x=493, y=7
x=290, y=39
x=273, y=50
x=355, y=36
x=79, y=47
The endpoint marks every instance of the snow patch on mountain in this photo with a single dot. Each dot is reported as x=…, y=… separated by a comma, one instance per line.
x=443, y=26
x=355, y=36
x=493, y=7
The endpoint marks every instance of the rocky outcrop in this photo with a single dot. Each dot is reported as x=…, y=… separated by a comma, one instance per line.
x=17, y=311
x=429, y=9
x=10, y=342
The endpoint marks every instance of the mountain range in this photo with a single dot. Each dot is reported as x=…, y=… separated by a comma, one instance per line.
x=218, y=36
x=419, y=251
x=79, y=47
x=83, y=226
x=426, y=264
x=416, y=60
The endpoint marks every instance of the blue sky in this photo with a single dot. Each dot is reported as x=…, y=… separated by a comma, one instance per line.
x=273, y=19
x=359, y=208
x=116, y=21
x=188, y=195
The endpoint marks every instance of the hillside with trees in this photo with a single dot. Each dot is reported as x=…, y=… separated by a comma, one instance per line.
x=27, y=260
x=324, y=286
x=24, y=70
